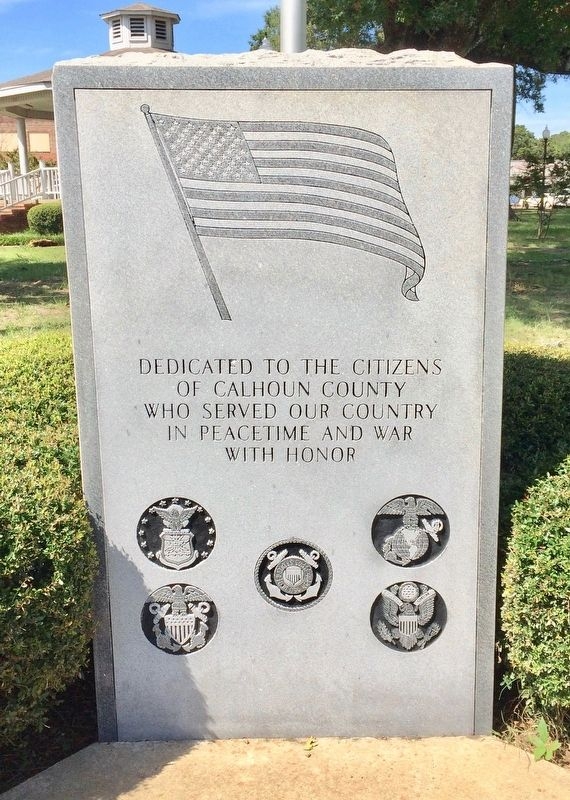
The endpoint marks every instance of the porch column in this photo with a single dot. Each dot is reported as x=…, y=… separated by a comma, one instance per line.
x=22, y=144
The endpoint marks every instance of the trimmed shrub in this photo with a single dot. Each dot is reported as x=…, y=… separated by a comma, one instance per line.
x=46, y=218
x=536, y=421
x=536, y=597
x=47, y=556
x=25, y=237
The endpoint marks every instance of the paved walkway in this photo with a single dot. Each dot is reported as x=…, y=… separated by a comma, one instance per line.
x=458, y=768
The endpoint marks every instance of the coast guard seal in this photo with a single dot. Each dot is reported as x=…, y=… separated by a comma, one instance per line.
x=293, y=574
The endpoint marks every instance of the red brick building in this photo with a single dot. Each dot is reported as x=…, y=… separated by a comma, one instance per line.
x=40, y=135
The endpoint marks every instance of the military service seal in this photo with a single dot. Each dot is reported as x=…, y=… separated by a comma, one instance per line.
x=179, y=618
x=293, y=574
x=410, y=530
x=176, y=533
x=407, y=616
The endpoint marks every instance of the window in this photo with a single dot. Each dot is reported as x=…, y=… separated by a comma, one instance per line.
x=8, y=141
x=137, y=27
x=116, y=29
x=160, y=29
x=39, y=142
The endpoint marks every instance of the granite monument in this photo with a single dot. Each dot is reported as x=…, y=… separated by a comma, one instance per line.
x=287, y=282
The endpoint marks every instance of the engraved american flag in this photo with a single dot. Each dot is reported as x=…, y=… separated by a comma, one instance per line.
x=290, y=180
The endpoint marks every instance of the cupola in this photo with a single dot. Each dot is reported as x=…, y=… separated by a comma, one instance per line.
x=141, y=27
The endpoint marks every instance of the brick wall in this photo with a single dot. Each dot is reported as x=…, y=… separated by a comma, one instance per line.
x=41, y=137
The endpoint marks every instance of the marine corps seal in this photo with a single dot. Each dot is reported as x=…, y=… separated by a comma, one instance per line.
x=407, y=616
x=176, y=533
x=293, y=574
x=179, y=618
x=410, y=530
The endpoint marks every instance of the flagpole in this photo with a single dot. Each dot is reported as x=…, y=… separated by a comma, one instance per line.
x=293, y=26
x=189, y=221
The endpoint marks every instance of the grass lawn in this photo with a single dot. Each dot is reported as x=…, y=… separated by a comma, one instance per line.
x=538, y=282
x=33, y=285
x=33, y=289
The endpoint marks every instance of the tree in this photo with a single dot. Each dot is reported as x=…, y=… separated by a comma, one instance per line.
x=532, y=34
x=12, y=157
x=526, y=146
x=559, y=145
x=546, y=181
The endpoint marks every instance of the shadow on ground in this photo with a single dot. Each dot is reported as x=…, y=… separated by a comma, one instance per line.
x=33, y=292
x=23, y=280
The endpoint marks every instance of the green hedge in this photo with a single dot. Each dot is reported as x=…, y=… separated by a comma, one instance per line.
x=46, y=218
x=535, y=529
x=25, y=237
x=47, y=556
x=536, y=597
x=536, y=421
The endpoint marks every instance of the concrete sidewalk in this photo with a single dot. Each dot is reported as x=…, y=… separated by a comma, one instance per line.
x=458, y=768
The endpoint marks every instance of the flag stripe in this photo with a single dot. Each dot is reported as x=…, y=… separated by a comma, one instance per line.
x=318, y=128
x=324, y=166
x=326, y=201
x=326, y=183
x=273, y=215
x=283, y=145
x=276, y=228
x=312, y=235
x=296, y=185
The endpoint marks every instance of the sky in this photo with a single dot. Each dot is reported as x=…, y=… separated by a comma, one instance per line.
x=36, y=33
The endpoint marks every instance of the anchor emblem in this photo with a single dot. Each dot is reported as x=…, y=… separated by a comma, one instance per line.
x=293, y=574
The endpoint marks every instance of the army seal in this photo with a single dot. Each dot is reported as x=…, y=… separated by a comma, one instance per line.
x=293, y=574
x=407, y=616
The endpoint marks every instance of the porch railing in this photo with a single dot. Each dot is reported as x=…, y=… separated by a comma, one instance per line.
x=40, y=184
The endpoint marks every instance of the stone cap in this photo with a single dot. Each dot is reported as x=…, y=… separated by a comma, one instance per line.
x=346, y=57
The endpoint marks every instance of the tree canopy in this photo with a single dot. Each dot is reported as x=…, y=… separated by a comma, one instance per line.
x=528, y=147
x=533, y=35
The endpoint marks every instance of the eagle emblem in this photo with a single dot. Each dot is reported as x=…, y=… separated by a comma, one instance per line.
x=423, y=522
x=176, y=533
x=177, y=549
x=403, y=615
x=179, y=618
x=293, y=574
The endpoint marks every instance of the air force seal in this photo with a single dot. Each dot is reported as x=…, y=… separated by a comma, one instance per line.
x=293, y=574
x=176, y=533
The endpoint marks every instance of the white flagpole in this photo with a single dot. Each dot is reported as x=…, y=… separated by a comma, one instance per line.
x=293, y=26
